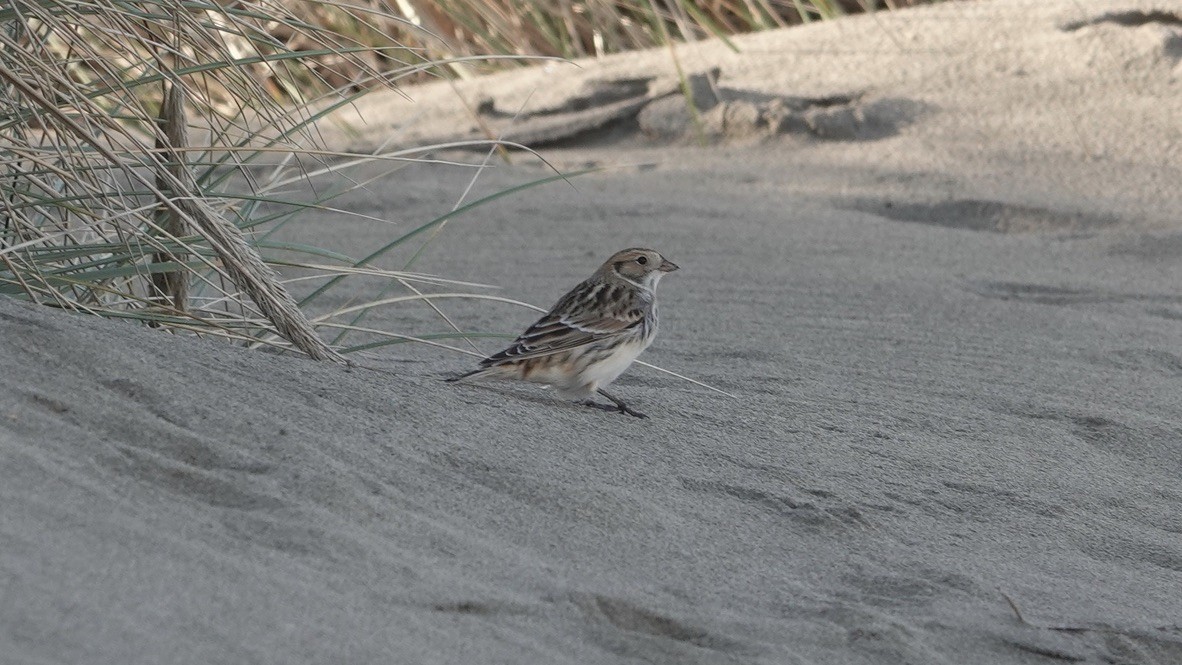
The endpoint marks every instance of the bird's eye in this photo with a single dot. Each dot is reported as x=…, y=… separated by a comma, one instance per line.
x=642, y=260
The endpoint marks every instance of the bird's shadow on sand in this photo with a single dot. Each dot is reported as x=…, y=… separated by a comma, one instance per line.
x=548, y=400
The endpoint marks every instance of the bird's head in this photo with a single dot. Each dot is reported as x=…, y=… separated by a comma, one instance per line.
x=642, y=267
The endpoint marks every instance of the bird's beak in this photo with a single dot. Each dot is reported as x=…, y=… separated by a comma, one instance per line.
x=667, y=266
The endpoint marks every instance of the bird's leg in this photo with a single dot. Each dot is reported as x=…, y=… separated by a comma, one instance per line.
x=620, y=405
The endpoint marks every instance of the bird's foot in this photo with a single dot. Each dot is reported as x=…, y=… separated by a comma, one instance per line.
x=619, y=408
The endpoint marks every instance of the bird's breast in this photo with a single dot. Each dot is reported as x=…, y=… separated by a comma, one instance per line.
x=612, y=365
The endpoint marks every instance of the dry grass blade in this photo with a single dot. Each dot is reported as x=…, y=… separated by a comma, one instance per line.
x=172, y=286
x=258, y=280
x=686, y=378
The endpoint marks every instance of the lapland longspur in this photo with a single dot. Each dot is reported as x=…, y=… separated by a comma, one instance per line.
x=591, y=335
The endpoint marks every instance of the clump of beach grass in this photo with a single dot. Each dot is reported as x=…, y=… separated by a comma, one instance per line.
x=145, y=147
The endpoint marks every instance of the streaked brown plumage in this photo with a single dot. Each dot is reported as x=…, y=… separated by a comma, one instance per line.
x=592, y=334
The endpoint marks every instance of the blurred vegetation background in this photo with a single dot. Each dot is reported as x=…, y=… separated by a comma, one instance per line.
x=148, y=148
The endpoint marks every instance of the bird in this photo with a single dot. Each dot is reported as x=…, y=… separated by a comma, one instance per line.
x=591, y=335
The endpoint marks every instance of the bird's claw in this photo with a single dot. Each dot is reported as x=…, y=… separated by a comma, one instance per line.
x=623, y=408
x=619, y=408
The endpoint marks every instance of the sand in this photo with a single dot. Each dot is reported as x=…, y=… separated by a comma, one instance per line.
x=949, y=308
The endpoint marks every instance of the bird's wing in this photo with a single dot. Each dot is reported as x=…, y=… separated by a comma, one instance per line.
x=590, y=313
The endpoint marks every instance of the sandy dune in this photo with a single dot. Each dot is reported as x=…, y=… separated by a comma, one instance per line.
x=934, y=253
